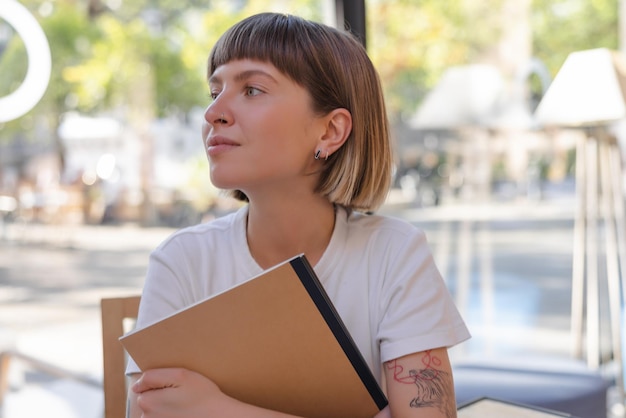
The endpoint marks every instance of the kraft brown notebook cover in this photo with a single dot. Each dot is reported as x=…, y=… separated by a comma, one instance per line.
x=274, y=341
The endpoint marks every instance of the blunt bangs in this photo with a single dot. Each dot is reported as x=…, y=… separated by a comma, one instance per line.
x=268, y=37
x=302, y=50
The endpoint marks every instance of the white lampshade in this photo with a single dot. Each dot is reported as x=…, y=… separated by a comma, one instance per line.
x=465, y=96
x=588, y=90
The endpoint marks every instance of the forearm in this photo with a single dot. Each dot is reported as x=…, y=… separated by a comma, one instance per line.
x=420, y=385
x=189, y=395
x=234, y=409
x=177, y=392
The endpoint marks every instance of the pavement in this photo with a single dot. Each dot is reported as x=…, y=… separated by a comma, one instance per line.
x=508, y=264
x=51, y=281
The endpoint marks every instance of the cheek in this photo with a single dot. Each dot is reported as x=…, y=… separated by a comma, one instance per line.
x=287, y=131
x=288, y=146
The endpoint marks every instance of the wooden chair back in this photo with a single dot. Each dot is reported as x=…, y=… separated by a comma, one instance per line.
x=114, y=311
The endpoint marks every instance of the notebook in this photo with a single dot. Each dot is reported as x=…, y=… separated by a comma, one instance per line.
x=275, y=341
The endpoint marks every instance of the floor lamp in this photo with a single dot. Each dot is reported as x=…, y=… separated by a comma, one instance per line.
x=588, y=94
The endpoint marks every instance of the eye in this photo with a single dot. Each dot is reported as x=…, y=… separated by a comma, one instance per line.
x=213, y=95
x=252, y=91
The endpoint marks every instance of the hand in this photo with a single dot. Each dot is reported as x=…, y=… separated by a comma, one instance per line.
x=178, y=393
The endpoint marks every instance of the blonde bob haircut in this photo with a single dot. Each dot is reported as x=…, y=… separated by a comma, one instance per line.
x=334, y=68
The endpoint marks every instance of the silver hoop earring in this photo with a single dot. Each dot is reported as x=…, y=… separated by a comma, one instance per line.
x=317, y=154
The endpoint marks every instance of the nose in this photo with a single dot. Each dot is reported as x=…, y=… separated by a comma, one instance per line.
x=214, y=116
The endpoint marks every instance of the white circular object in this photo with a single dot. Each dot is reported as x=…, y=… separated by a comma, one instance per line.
x=28, y=94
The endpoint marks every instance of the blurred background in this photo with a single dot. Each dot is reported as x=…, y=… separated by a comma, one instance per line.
x=105, y=159
x=115, y=136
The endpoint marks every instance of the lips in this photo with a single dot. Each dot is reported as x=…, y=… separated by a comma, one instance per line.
x=215, y=141
x=218, y=144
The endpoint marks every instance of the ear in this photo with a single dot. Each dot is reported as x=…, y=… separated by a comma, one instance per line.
x=338, y=128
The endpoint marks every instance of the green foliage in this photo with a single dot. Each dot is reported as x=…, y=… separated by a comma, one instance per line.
x=561, y=27
x=70, y=37
x=412, y=43
x=12, y=75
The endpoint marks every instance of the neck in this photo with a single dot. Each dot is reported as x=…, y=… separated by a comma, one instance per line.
x=278, y=232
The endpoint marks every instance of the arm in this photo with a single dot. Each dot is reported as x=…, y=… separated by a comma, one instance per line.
x=186, y=394
x=420, y=385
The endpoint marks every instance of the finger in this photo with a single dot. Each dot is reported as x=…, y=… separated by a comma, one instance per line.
x=158, y=379
x=161, y=403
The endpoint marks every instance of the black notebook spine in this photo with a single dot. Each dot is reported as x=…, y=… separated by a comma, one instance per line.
x=319, y=296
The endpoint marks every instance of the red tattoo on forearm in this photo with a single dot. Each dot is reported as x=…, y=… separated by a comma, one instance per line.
x=428, y=360
x=433, y=385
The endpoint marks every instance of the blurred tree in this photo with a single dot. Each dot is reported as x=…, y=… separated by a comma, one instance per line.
x=561, y=27
x=98, y=62
x=70, y=36
x=412, y=43
x=14, y=52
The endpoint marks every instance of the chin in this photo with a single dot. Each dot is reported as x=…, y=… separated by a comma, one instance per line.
x=223, y=183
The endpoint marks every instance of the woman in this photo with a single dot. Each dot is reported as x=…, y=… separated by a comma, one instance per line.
x=298, y=129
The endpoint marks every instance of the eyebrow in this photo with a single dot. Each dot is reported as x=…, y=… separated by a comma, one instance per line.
x=244, y=75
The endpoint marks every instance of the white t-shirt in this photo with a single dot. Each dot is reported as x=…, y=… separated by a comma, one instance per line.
x=378, y=271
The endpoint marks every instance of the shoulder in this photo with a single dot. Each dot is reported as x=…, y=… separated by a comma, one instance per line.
x=376, y=226
x=387, y=243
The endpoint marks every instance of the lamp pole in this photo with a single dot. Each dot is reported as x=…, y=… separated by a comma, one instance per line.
x=586, y=94
x=350, y=14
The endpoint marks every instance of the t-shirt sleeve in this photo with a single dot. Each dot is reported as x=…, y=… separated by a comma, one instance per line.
x=417, y=310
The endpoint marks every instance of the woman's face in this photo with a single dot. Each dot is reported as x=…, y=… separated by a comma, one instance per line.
x=260, y=131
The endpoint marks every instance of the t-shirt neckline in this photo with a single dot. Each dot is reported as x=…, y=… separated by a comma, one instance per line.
x=331, y=255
